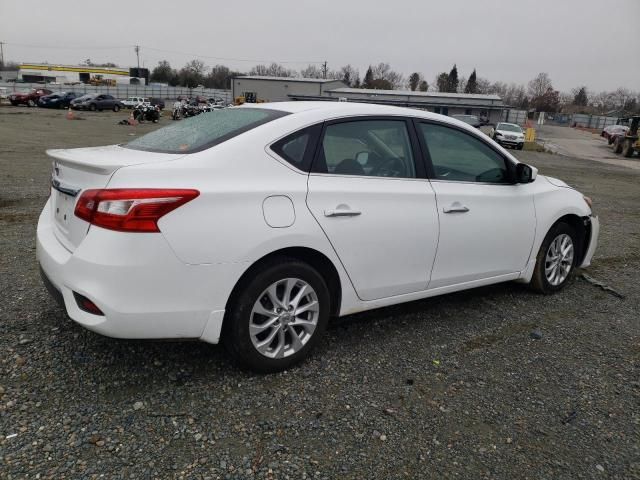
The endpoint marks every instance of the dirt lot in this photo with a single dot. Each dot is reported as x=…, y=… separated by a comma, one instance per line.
x=450, y=387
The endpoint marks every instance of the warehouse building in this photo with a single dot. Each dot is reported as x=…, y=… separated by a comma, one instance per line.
x=281, y=89
x=487, y=107
x=70, y=74
x=277, y=89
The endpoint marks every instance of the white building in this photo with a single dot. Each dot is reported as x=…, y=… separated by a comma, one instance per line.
x=44, y=72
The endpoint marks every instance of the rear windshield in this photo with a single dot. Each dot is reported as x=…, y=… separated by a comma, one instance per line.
x=203, y=131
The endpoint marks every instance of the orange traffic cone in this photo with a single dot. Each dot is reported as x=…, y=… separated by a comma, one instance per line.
x=132, y=121
x=70, y=114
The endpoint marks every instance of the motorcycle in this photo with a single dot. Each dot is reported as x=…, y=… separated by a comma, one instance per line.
x=143, y=112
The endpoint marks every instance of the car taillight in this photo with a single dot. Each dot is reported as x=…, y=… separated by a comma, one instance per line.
x=130, y=209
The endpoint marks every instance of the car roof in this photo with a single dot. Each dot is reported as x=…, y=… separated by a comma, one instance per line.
x=324, y=110
x=507, y=123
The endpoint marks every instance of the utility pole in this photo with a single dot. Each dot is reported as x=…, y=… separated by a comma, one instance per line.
x=137, y=49
x=324, y=70
x=1, y=54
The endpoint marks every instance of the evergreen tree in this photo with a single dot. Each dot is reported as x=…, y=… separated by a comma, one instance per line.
x=414, y=81
x=472, y=83
x=368, y=78
x=452, y=83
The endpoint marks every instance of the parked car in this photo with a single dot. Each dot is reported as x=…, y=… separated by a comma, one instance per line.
x=98, y=102
x=612, y=131
x=57, y=100
x=132, y=102
x=509, y=135
x=4, y=93
x=157, y=102
x=253, y=225
x=472, y=120
x=29, y=98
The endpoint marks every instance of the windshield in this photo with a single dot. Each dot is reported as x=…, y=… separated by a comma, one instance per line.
x=508, y=127
x=203, y=131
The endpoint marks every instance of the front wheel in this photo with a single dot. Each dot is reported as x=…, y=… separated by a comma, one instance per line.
x=93, y=107
x=627, y=148
x=116, y=108
x=277, y=317
x=556, y=259
x=617, y=145
x=31, y=103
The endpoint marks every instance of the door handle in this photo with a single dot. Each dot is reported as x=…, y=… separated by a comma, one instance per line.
x=455, y=207
x=341, y=212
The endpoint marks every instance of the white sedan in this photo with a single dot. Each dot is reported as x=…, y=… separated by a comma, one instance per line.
x=509, y=135
x=254, y=225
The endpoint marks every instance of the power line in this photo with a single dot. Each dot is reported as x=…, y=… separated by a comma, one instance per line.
x=176, y=52
x=229, y=59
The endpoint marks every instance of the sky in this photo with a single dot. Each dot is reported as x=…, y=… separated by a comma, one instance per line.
x=577, y=42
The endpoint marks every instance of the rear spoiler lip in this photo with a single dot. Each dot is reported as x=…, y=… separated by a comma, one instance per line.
x=71, y=157
x=63, y=157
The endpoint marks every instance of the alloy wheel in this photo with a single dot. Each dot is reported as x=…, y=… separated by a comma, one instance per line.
x=559, y=259
x=283, y=318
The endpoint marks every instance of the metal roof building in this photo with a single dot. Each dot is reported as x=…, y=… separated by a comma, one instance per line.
x=278, y=89
x=281, y=89
x=486, y=106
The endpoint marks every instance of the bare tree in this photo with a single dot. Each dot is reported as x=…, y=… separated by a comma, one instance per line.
x=312, y=71
x=349, y=75
x=383, y=71
x=539, y=85
x=273, y=70
x=621, y=96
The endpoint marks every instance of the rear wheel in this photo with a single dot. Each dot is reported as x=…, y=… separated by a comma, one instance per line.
x=556, y=259
x=617, y=145
x=31, y=103
x=277, y=317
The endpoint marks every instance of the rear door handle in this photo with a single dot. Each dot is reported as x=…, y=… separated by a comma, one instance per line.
x=455, y=207
x=341, y=211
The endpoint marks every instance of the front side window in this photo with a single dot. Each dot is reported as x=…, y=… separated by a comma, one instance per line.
x=458, y=156
x=203, y=131
x=375, y=148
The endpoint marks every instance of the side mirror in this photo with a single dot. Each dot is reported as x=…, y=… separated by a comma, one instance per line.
x=525, y=173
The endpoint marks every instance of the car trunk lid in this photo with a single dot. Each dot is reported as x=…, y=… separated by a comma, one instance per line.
x=79, y=169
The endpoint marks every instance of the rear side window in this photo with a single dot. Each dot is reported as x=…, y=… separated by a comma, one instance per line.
x=204, y=131
x=298, y=148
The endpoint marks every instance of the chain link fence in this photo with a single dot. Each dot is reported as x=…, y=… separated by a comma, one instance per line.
x=124, y=91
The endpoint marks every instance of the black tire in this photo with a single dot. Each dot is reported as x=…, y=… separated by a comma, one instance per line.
x=609, y=140
x=539, y=281
x=617, y=145
x=116, y=108
x=236, y=335
x=520, y=147
x=93, y=107
x=31, y=103
x=627, y=148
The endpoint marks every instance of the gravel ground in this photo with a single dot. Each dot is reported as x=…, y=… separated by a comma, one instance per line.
x=496, y=382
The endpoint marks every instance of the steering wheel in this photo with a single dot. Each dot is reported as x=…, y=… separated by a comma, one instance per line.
x=390, y=167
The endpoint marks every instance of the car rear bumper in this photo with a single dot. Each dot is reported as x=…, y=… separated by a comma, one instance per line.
x=136, y=280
